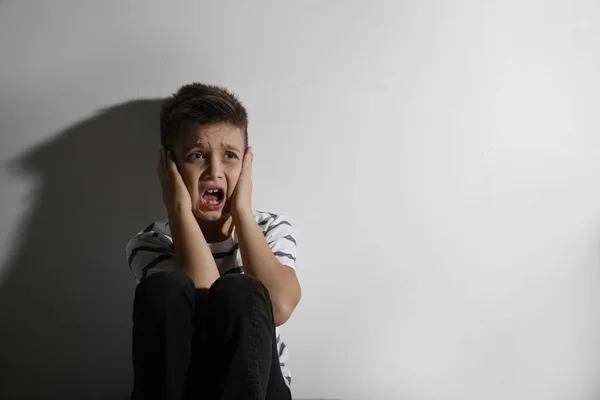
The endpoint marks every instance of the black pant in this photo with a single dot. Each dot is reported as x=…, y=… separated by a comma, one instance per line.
x=216, y=343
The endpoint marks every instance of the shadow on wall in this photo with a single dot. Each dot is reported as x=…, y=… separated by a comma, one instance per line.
x=66, y=299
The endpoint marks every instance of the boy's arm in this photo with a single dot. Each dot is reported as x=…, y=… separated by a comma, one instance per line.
x=257, y=256
x=191, y=250
x=260, y=262
x=192, y=253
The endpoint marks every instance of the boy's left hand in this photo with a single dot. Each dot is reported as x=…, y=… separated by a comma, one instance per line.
x=241, y=200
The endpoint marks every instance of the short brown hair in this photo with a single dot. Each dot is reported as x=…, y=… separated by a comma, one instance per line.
x=199, y=104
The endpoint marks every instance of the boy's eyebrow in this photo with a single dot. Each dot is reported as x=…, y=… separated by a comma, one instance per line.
x=227, y=146
x=192, y=145
x=199, y=144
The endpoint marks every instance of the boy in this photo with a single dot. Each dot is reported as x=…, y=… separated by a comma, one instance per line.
x=216, y=279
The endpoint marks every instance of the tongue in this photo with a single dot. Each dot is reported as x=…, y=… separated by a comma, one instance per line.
x=210, y=197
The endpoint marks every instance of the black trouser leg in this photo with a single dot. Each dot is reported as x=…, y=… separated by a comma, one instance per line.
x=241, y=335
x=226, y=332
x=162, y=335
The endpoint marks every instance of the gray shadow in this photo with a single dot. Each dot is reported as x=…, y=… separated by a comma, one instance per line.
x=66, y=299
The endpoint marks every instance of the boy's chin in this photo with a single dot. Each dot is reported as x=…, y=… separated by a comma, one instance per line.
x=211, y=216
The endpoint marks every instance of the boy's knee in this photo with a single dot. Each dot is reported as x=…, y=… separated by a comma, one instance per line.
x=238, y=292
x=163, y=289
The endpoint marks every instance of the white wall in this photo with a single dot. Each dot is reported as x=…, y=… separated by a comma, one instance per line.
x=439, y=159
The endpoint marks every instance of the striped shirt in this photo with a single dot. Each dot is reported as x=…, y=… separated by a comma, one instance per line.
x=151, y=251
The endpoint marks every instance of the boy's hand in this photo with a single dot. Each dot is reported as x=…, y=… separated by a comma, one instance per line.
x=176, y=195
x=241, y=201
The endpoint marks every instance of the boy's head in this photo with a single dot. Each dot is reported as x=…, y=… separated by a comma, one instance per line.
x=206, y=129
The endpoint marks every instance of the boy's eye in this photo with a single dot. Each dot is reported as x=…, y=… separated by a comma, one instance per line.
x=231, y=155
x=195, y=156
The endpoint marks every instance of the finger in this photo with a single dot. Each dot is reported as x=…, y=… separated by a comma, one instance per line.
x=160, y=162
x=166, y=157
x=249, y=156
x=247, y=168
x=172, y=166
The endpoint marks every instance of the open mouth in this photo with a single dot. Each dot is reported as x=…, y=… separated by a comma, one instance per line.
x=213, y=197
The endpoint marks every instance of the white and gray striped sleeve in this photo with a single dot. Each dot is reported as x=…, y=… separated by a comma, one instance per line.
x=281, y=236
x=149, y=252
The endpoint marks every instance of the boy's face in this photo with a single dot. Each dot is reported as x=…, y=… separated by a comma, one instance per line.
x=209, y=159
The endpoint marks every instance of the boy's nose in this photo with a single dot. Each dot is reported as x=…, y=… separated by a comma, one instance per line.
x=215, y=169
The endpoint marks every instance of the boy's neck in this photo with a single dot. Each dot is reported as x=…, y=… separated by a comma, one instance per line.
x=217, y=231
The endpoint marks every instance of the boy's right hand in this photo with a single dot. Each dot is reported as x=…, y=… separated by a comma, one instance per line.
x=176, y=195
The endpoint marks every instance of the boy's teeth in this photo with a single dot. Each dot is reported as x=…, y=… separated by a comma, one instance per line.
x=213, y=202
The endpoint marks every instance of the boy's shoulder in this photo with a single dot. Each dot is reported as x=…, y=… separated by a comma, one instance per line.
x=158, y=226
x=266, y=218
x=273, y=225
